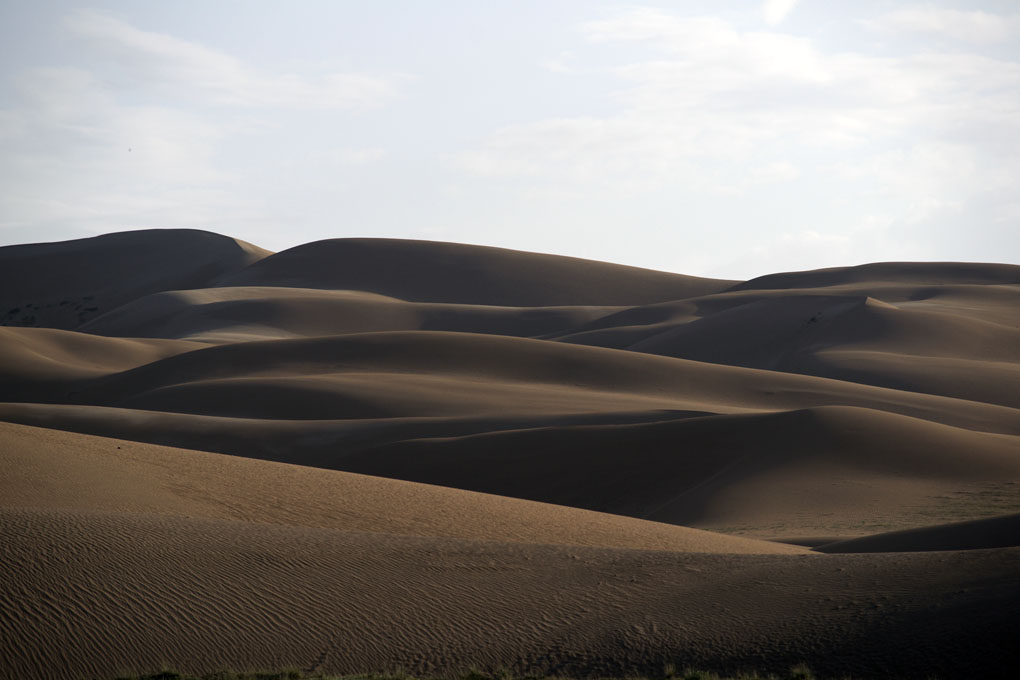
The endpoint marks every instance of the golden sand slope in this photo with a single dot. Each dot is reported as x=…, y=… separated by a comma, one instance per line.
x=52, y=470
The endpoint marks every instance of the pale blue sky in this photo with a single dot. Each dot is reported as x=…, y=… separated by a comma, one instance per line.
x=711, y=138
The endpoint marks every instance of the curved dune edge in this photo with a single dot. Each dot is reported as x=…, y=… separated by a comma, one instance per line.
x=242, y=314
x=891, y=272
x=834, y=472
x=100, y=273
x=66, y=471
x=435, y=271
x=978, y=534
x=147, y=591
x=433, y=373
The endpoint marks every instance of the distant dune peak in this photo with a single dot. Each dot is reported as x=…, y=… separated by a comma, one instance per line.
x=434, y=271
x=905, y=272
x=87, y=277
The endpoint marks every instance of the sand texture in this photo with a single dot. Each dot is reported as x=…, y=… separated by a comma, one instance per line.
x=364, y=454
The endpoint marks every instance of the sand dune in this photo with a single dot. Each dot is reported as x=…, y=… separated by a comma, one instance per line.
x=988, y=381
x=318, y=443
x=428, y=271
x=376, y=375
x=37, y=363
x=783, y=474
x=787, y=327
x=97, y=594
x=444, y=456
x=90, y=276
x=890, y=272
x=993, y=532
x=50, y=470
x=920, y=347
x=998, y=304
x=253, y=313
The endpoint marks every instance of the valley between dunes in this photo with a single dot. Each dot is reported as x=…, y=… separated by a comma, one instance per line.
x=360, y=455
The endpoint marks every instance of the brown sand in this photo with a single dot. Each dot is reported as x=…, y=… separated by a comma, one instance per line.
x=847, y=409
x=53, y=470
x=61, y=285
x=92, y=594
x=995, y=532
x=429, y=271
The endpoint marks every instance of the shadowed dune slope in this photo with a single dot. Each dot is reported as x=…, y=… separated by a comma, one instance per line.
x=787, y=327
x=37, y=363
x=440, y=374
x=653, y=437
x=319, y=443
x=824, y=472
x=992, y=532
x=996, y=304
x=147, y=591
x=52, y=470
x=255, y=313
x=915, y=345
x=890, y=272
x=799, y=472
x=430, y=271
x=87, y=277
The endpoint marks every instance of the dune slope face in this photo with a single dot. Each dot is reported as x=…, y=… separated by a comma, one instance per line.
x=62, y=285
x=486, y=457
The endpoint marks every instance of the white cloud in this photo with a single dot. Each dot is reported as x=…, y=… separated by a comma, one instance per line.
x=142, y=141
x=348, y=156
x=870, y=238
x=82, y=156
x=563, y=63
x=968, y=26
x=714, y=124
x=163, y=62
x=714, y=92
x=776, y=172
x=775, y=11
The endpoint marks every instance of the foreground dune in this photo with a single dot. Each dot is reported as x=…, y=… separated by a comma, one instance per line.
x=444, y=456
x=96, y=594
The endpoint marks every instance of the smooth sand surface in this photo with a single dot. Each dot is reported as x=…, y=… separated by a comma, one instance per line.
x=63, y=284
x=444, y=456
x=430, y=271
x=995, y=532
x=53, y=470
